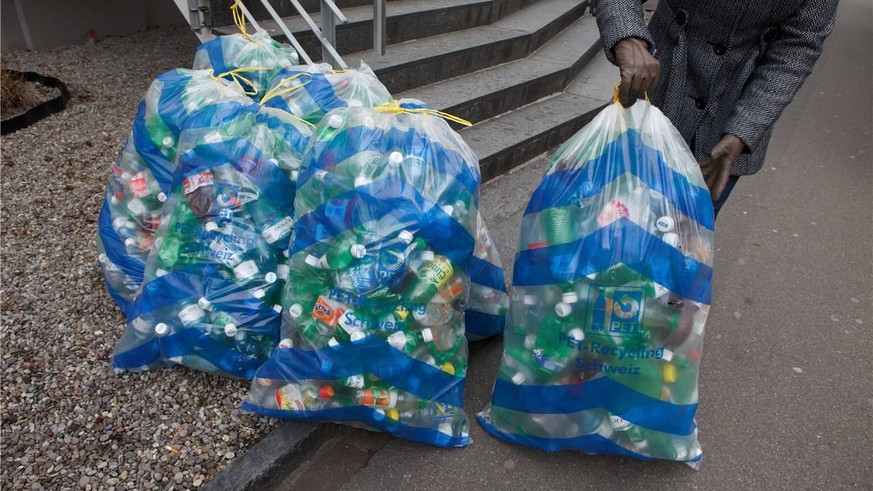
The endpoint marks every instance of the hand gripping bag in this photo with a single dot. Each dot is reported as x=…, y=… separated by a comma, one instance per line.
x=213, y=281
x=373, y=324
x=321, y=89
x=611, y=289
x=139, y=182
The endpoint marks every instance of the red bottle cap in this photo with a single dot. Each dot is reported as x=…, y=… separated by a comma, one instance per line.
x=325, y=392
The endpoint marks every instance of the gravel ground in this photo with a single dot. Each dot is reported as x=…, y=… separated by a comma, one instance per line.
x=66, y=421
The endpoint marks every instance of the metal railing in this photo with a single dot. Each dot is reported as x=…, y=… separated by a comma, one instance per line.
x=197, y=13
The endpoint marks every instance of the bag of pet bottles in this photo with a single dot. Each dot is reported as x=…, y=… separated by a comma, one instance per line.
x=139, y=182
x=373, y=318
x=250, y=59
x=488, y=301
x=611, y=289
x=322, y=89
x=213, y=281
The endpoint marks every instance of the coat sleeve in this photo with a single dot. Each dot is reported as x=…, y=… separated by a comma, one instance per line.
x=620, y=19
x=781, y=71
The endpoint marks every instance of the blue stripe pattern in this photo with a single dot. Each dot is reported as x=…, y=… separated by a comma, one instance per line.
x=622, y=241
x=604, y=392
x=114, y=246
x=635, y=158
x=481, y=325
x=371, y=418
x=369, y=355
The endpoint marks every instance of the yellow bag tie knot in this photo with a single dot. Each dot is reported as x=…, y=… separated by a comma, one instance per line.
x=615, y=94
x=394, y=108
x=239, y=18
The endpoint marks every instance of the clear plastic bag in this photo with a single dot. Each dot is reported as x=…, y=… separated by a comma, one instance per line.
x=309, y=92
x=139, y=182
x=373, y=324
x=251, y=60
x=214, y=278
x=611, y=289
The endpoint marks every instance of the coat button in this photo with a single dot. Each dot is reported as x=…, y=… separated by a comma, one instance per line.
x=719, y=49
x=700, y=104
x=681, y=18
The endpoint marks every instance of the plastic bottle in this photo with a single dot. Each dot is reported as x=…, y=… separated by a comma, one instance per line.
x=409, y=341
x=367, y=397
x=435, y=273
x=343, y=253
x=275, y=228
x=559, y=224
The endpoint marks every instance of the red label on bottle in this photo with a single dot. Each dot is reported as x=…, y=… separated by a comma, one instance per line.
x=196, y=181
x=139, y=185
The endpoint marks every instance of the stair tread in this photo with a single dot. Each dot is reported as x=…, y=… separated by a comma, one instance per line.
x=363, y=13
x=518, y=24
x=560, y=53
x=591, y=89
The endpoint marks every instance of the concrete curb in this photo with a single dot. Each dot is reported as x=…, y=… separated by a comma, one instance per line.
x=271, y=459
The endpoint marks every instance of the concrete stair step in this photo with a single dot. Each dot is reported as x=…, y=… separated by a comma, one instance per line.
x=487, y=93
x=425, y=61
x=406, y=20
x=221, y=14
x=507, y=141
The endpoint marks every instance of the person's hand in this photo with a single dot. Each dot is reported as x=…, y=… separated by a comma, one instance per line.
x=717, y=169
x=639, y=70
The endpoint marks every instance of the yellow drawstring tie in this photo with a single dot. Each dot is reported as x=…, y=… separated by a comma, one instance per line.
x=394, y=108
x=236, y=77
x=239, y=18
x=615, y=94
x=277, y=90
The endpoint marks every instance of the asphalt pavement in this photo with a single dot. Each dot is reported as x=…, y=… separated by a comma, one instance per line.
x=786, y=386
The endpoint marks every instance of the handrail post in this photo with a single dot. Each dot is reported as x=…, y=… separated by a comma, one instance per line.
x=328, y=28
x=379, y=20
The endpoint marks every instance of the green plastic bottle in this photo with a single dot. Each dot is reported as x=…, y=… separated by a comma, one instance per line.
x=434, y=273
x=342, y=254
x=559, y=224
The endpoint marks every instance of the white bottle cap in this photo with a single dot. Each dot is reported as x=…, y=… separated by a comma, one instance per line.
x=357, y=335
x=518, y=378
x=204, y=303
x=122, y=222
x=665, y=224
x=563, y=309
x=270, y=278
x=569, y=297
x=427, y=335
x=167, y=141
x=395, y=158
x=277, y=308
x=211, y=226
x=230, y=330
x=161, y=329
x=286, y=343
x=529, y=341
x=335, y=121
x=273, y=161
x=259, y=293
x=312, y=261
x=576, y=334
x=427, y=255
x=246, y=269
x=320, y=174
x=333, y=343
x=671, y=238
x=295, y=311
x=667, y=356
x=406, y=236
x=358, y=251
x=162, y=197
x=130, y=242
x=103, y=258
x=530, y=300
x=362, y=181
x=295, y=175
x=282, y=271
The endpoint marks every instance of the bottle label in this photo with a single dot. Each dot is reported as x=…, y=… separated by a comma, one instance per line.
x=350, y=322
x=397, y=340
x=191, y=313
x=355, y=382
x=437, y=272
x=246, y=269
x=282, y=271
x=139, y=185
x=196, y=181
x=619, y=423
x=613, y=211
x=273, y=233
x=289, y=398
x=378, y=398
x=326, y=312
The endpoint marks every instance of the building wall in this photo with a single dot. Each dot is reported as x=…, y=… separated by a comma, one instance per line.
x=63, y=22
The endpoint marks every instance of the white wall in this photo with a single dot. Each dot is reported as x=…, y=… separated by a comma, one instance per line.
x=64, y=22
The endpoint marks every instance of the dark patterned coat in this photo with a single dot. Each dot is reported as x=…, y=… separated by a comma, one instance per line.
x=727, y=66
